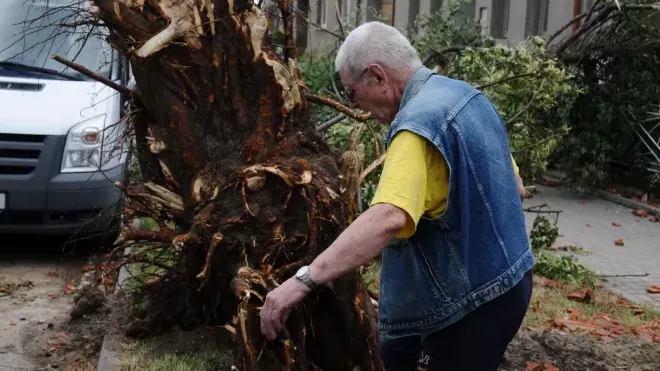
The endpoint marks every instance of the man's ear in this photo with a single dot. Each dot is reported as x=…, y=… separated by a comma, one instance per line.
x=378, y=73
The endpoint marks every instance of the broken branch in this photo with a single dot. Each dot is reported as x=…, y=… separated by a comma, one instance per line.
x=338, y=106
x=304, y=18
x=92, y=75
x=623, y=275
x=576, y=19
x=371, y=168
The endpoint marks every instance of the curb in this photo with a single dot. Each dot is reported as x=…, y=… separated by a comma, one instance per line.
x=618, y=199
x=108, y=357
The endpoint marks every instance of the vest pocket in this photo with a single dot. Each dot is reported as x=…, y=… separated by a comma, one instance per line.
x=434, y=283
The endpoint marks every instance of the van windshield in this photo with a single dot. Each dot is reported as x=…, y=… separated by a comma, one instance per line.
x=33, y=30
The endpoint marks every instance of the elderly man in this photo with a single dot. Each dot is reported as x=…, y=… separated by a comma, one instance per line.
x=458, y=285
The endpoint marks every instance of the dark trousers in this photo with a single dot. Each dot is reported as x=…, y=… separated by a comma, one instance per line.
x=475, y=343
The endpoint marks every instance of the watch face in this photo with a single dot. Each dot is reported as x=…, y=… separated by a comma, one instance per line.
x=301, y=272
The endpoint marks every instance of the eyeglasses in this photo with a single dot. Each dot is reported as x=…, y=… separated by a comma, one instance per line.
x=349, y=93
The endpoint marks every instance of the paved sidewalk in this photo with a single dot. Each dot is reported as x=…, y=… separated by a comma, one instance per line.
x=587, y=222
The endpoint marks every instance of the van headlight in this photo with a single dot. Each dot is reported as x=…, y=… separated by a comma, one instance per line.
x=91, y=147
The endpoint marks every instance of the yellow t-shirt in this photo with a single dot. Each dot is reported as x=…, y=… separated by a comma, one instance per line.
x=415, y=178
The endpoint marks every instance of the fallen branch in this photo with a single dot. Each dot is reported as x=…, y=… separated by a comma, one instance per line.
x=81, y=23
x=304, y=18
x=576, y=19
x=500, y=81
x=371, y=168
x=537, y=209
x=338, y=106
x=623, y=275
x=95, y=76
x=332, y=122
x=603, y=16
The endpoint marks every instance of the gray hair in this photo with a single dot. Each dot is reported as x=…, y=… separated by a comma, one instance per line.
x=376, y=42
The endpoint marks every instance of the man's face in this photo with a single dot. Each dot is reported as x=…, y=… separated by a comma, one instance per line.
x=369, y=92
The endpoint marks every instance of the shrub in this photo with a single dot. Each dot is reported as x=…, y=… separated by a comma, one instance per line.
x=563, y=268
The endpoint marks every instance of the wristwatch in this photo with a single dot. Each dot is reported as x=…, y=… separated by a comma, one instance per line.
x=303, y=276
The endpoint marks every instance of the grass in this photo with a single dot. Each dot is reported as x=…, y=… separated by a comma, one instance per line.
x=143, y=356
x=550, y=303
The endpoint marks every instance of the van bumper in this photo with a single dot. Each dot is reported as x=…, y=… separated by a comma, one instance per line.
x=49, y=202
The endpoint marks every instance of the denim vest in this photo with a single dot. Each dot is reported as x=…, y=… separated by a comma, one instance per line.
x=478, y=248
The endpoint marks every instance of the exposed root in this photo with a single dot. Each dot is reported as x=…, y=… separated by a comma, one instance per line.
x=215, y=241
x=289, y=177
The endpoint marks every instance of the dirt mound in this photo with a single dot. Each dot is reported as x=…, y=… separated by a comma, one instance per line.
x=581, y=353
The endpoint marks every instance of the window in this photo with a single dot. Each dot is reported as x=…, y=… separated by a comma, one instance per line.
x=435, y=6
x=499, y=21
x=536, y=22
x=413, y=11
x=483, y=19
x=320, y=12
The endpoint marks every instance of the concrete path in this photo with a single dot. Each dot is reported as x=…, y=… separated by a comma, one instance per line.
x=587, y=222
x=36, y=304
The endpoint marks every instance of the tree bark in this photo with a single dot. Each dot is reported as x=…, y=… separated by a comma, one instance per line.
x=235, y=163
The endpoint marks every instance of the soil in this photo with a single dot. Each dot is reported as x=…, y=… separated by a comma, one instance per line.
x=72, y=342
x=570, y=352
x=41, y=285
x=32, y=295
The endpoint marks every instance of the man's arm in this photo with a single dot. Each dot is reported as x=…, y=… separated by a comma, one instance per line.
x=396, y=208
x=359, y=243
x=519, y=182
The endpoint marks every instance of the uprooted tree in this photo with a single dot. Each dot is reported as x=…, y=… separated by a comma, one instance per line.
x=242, y=188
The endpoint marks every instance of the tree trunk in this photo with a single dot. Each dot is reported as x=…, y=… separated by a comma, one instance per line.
x=253, y=191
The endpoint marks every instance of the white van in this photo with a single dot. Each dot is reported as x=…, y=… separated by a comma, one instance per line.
x=61, y=148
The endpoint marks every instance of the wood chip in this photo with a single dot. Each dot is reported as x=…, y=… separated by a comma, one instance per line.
x=547, y=282
x=640, y=213
x=654, y=289
x=584, y=295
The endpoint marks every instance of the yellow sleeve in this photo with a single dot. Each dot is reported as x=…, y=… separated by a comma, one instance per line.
x=403, y=179
x=516, y=170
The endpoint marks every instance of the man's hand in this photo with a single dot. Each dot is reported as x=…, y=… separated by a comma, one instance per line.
x=279, y=304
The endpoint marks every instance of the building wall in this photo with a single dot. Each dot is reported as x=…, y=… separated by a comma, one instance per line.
x=559, y=13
